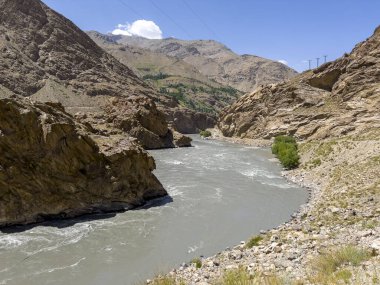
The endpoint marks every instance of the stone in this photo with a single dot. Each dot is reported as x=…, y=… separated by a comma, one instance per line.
x=56, y=168
x=376, y=244
x=338, y=98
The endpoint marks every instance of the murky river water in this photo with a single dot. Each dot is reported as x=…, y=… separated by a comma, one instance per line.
x=221, y=194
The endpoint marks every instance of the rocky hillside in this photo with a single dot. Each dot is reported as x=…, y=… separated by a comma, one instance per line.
x=339, y=98
x=217, y=62
x=335, y=237
x=52, y=166
x=171, y=76
x=47, y=58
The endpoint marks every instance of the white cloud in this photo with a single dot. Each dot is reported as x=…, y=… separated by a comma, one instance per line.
x=283, y=61
x=142, y=28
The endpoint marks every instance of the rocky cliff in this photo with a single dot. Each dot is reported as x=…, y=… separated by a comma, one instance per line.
x=339, y=98
x=46, y=57
x=52, y=166
x=216, y=61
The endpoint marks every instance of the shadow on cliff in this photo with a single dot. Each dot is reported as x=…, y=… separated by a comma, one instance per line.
x=51, y=221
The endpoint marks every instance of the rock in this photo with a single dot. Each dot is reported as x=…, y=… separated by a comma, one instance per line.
x=376, y=245
x=55, y=168
x=338, y=98
x=49, y=59
x=232, y=266
x=334, y=210
x=181, y=140
x=188, y=121
x=366, y=233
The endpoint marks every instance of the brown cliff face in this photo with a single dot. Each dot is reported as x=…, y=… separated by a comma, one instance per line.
x=44, y=56
x=338, y=98
x=52, y=166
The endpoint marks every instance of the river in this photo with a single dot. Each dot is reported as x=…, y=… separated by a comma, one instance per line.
x=221, y=193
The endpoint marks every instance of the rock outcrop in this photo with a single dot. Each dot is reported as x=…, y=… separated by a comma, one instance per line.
x=52, y=166
x=339, y=98
x=44, y=56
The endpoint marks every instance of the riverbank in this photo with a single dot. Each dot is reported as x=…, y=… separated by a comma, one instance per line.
x=333, y=239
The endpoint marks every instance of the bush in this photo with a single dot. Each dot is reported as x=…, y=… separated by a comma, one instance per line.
x=197, y=262
x=164, y=280
x=240, y=276
x=254, y=241
x=328, y=266
x=205, y=134
x=156, y=76
x=286, y=150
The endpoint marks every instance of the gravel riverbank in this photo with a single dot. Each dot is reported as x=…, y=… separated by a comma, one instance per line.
x=343, y=212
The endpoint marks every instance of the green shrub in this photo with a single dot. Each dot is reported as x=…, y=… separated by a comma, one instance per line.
x=235, y=277
x=329, y=262
x=254, y=241
x=156, y=76
x=240, y=276
x=205, y=134
x=197, y=262
x=165, y=280
x=286, y=150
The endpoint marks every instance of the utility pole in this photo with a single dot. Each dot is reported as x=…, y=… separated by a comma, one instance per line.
x=325, y=56
x=317, y=61
x=309, y=64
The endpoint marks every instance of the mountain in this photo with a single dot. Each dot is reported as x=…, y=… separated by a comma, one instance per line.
x=52, y=165
x=171, y=76
x=339, y=98
x=45, y=57
x=216, y=61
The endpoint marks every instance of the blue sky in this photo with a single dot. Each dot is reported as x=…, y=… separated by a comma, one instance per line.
x=290, y=30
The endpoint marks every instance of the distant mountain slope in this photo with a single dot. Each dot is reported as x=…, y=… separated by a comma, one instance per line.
x=171, y=76
x=340, y=97
x=217, y=62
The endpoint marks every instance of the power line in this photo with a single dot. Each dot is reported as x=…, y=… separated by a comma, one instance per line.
x=170, y=18
x=317, y=61
x=199, y=18
x=133, y=10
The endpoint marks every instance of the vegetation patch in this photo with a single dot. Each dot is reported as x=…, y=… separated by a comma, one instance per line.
x=197, y=262
x=325, y=148
x=166, y=281
x=240, y=276
x=286, y=150
x=157, y=76
x=254, y=241
x=205, y=133
x=328, y=266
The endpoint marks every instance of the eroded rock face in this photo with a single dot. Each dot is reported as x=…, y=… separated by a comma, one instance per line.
x=190, y=122
x=46, y=57
x=341, y=97
x=52, y=166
